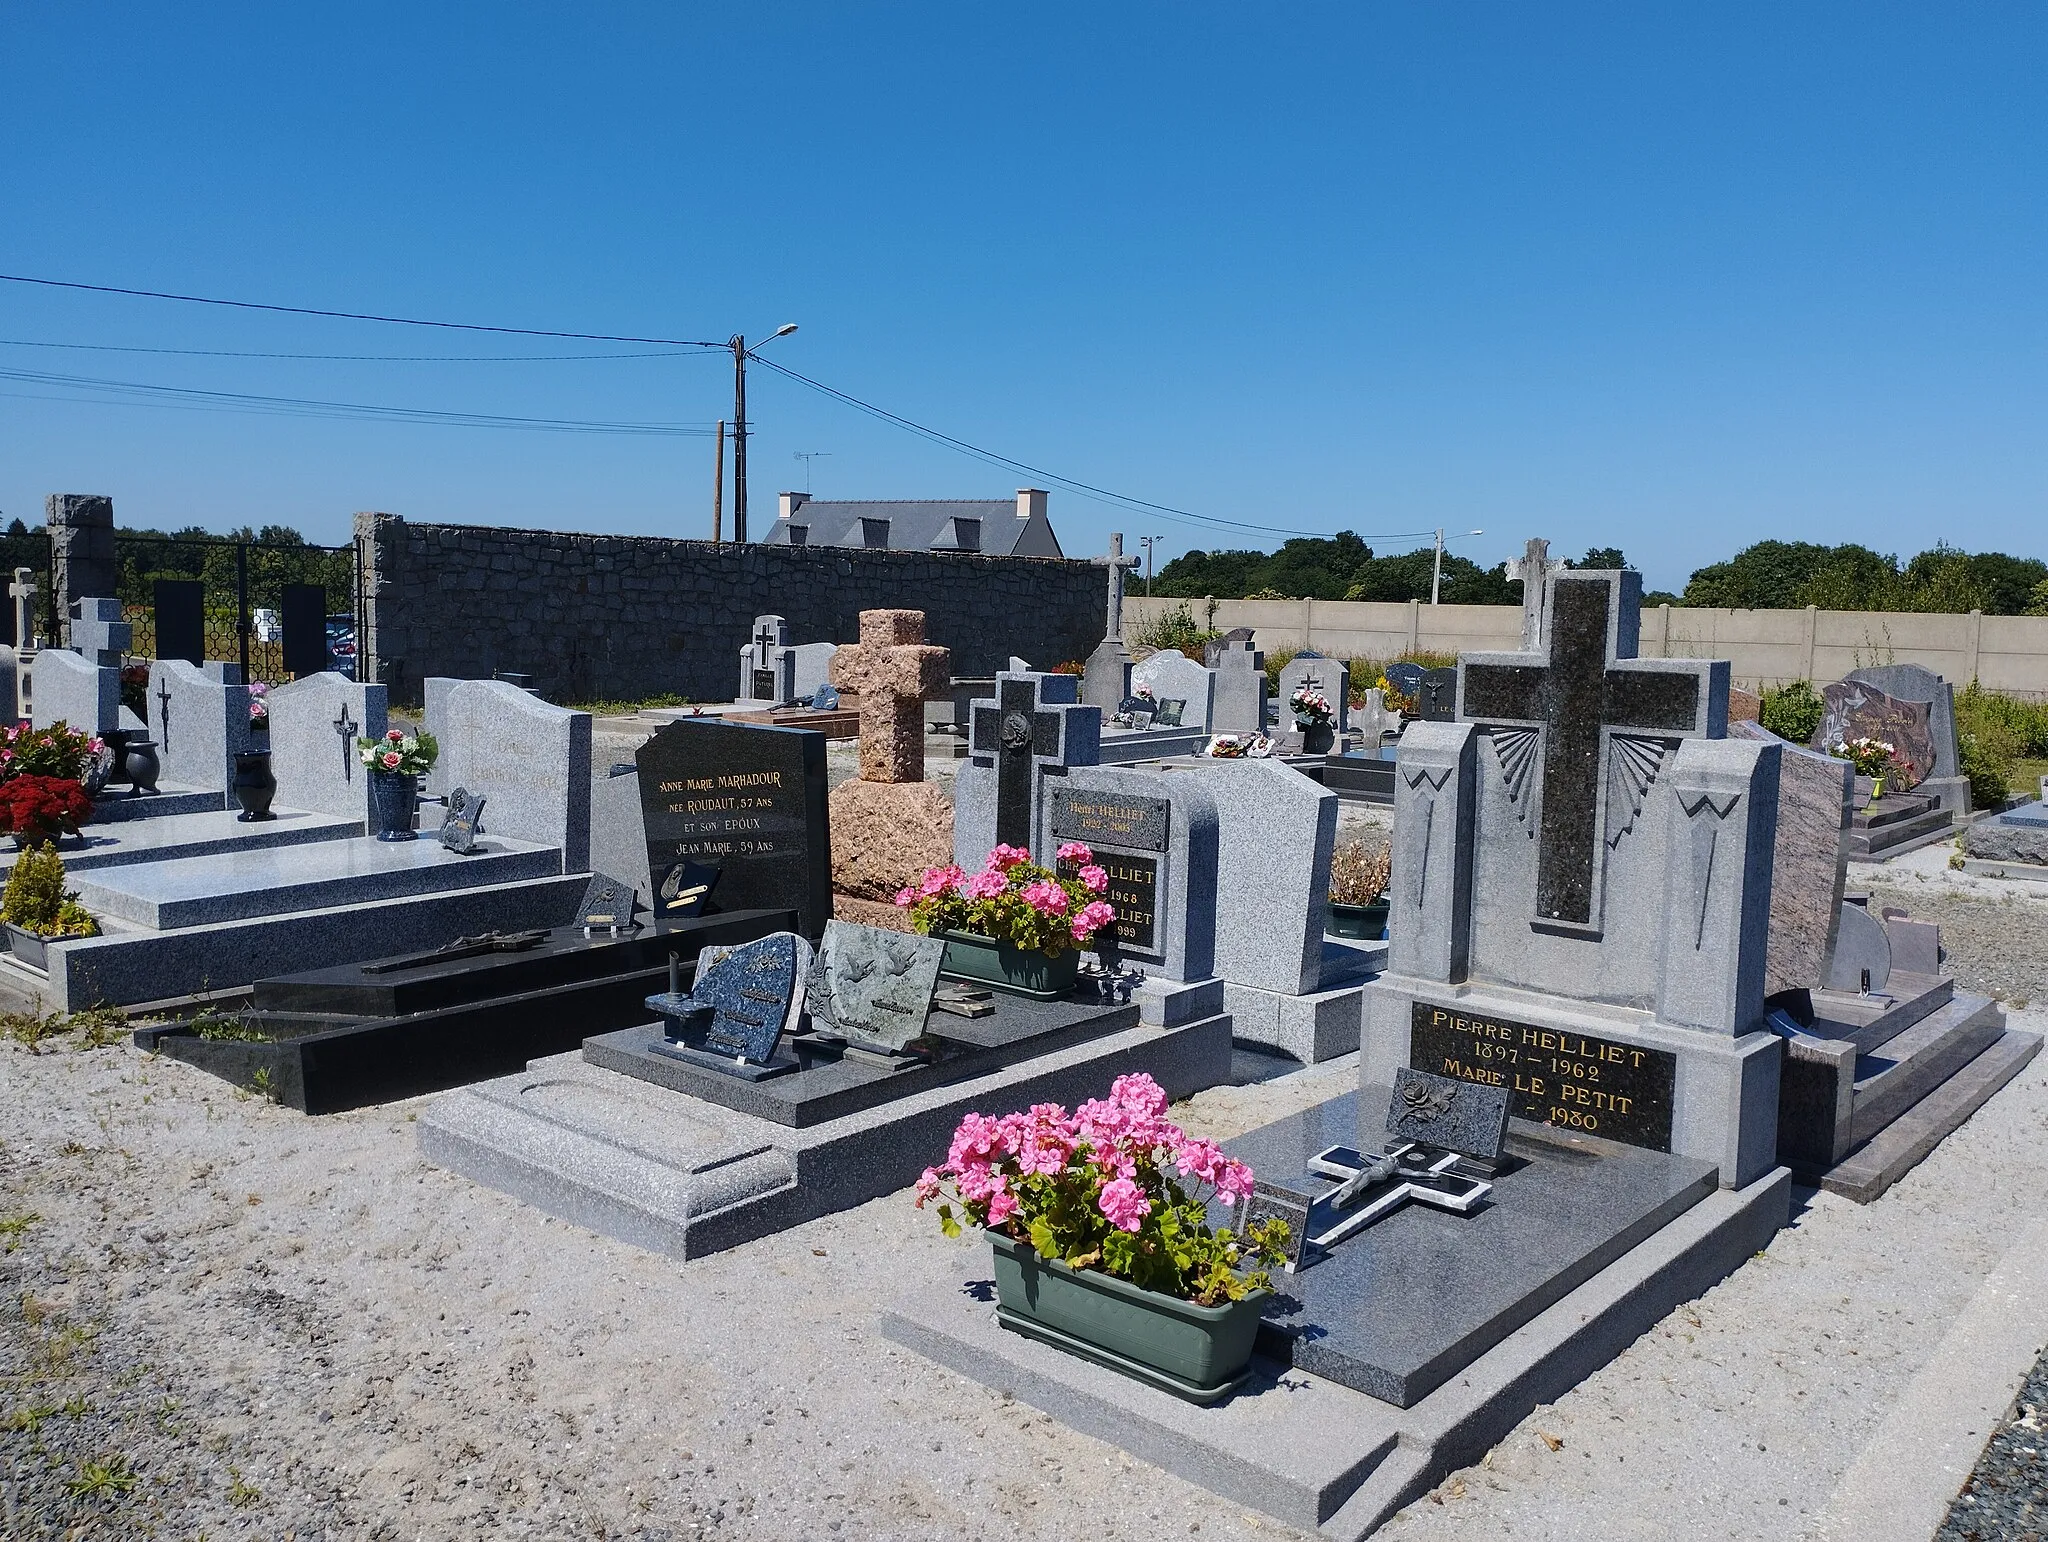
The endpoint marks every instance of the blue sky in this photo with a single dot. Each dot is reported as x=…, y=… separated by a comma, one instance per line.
x=1673, y=279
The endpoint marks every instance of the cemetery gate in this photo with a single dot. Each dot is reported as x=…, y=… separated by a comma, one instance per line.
x=280, y=608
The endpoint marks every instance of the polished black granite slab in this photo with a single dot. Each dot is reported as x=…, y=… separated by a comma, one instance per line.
x=1019, y=1029
x=565, y=956
x=1403, y=1306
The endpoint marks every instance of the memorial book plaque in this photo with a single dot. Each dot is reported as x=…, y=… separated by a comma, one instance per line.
x=1556, y=1076
x=747, y=800
x=1123, y=831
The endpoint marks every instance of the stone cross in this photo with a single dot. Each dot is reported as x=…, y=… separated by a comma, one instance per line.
x=23, y=591
x=345, y=730
x=98, y=632
x=1533, y=570
x=1603, y=729
x=1025, y=737
x=163, y=712
x=894, y=670
x=769, y=632
x=1118, y=565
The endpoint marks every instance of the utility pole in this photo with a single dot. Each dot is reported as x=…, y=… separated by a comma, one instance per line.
x=718, y=486
x=1436, y=577
x=1148, y=542
x=739, y=439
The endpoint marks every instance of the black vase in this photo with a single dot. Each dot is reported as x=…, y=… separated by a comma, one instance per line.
x=1317, y=738
x=393, y=797
x=253, y=786
x=139, y=764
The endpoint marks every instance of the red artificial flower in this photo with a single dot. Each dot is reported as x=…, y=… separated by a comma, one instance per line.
x=40, y=808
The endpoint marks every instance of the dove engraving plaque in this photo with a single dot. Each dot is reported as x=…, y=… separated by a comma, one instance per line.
x=873, y=987
x=1555, y=1076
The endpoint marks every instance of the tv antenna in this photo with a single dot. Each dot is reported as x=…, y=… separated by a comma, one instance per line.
x=807, y=456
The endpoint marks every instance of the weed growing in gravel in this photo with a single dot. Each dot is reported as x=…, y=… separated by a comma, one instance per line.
x=241, y=1492
x=226, y=1027
x=94, y=1028
x=260, y=1084
x=101, y=1476
x=12, y=1226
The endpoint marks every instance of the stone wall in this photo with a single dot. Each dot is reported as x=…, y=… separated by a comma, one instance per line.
x=612, y=617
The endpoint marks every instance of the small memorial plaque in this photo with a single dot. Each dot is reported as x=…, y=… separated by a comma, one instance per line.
x=1555, y=1076
x=1268, y=1202
x=685, y=890
x=764, y=685
x=1466, y=1117
x=459, y=828
x=1109, y=819
x=1168, y=713
x=750, y=993
x=825, y=699
x=873, y=986
x=607, y=902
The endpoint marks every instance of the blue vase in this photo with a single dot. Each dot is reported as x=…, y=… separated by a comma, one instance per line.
x=393, y=798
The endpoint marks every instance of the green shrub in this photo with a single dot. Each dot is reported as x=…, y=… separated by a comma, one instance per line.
x=1173, y=629
x=1986, y=764
x=1793, y=712
x=36, y=900
x=2023, y=723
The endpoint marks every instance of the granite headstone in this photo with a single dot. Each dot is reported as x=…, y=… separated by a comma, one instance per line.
x=1171, y=675
x=530, y=758
x=314, y=725
x=1858, y=710
x=1914, y=682
x=1328, y=678
x=873, y=987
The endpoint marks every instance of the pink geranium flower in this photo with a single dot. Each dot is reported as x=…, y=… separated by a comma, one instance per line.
x=1075, y=851
x=984, y=886
x=1046, y=896
x=1093, y=879
x=1003, y=858
x=1125, y=1204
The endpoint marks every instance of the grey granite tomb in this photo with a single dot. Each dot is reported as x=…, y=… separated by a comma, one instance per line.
x=1171, y=675
x=314, y=725
x=199, y=719
x=1240, y=670
x=529, y=758
x=1034, y=728
x=1329, y=678
x=67, y=688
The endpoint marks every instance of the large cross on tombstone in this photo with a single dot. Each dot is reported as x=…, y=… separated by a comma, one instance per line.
x=345, y=730
x=23, y=593
x=98, y=632
x=1118, y=565
x=1532, y=570
x=769, y=632
x=894, y=670
x=1602, y=720
x=1025, y=735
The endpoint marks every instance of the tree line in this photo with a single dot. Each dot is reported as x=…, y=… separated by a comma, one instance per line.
x=1771, y=575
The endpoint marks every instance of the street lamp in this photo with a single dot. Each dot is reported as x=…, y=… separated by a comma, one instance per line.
x=740, y=352
x=1148, y=542
x=1436, y=579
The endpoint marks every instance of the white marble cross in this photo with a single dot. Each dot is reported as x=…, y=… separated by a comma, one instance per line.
x=1532, y=570
x=23, y=591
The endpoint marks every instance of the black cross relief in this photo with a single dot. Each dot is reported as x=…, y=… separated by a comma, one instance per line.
x=1025, y=736
x=1602, y=721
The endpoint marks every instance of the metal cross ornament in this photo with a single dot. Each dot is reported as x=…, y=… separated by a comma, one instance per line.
x=345, y=729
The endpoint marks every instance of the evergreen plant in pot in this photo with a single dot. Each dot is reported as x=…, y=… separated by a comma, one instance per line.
x=396, y=763
x=1103, y=1246
x=1358, y=889
x=1014, y=926
x=37, y=909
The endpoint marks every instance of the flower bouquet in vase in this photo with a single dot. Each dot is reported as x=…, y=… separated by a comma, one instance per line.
x=1099, y=1221
x=396, y=763
x=1013, y=926
x=1871, y=757
x=1312, y=712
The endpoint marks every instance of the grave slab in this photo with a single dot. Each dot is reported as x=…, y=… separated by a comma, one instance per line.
x=1398, y=1309
x=240, y=885
x=211, y=832
x=1313, y=1453
x=684, y=1177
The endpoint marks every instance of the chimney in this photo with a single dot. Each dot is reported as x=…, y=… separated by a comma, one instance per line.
x=1030, y=501
x=791, y=502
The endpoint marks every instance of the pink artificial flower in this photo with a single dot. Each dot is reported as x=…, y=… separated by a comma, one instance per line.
x=1003, y=858
x=1125, y=1204
x=1093, y=878
x=1047, y=896
x=1076, y=851
x=396, y=735
x=1091, y=918
x=937, y=880
x=906, y=897
x=95, y=744
x=984, y=886
x=391, y=760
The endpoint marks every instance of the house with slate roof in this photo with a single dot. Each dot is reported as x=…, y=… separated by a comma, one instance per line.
x=987, y=526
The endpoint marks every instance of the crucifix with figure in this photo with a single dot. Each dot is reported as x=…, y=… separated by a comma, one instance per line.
x=163, y=713
x=1594, y=723
x=893, y=669
x=345, y=730
x=1033, y=726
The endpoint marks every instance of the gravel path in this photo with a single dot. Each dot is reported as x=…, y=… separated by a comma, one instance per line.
x=2006, y=1499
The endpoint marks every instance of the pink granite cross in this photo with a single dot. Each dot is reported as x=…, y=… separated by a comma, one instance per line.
x=893, y=670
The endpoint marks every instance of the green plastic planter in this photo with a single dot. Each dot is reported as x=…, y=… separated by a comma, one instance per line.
x=1002, y=967
x=1200, y=1353
x=1368, y=922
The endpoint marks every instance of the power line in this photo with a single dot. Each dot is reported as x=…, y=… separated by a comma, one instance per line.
x=357, y=358
x=140, y=393
x=304, y=310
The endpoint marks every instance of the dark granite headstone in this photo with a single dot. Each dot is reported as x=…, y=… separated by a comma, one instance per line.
x=873, y=986
x=748, y=800
x=1437, y=695
x=1406, y=677
x=463, y=822
x=1915, y=682
x=1465, y=1117
x=685, y=890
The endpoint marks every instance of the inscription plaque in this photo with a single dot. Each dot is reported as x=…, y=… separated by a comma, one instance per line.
x=1556, y=1076
x=764, y=685
x=1133, y=894
x=1109, y=819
